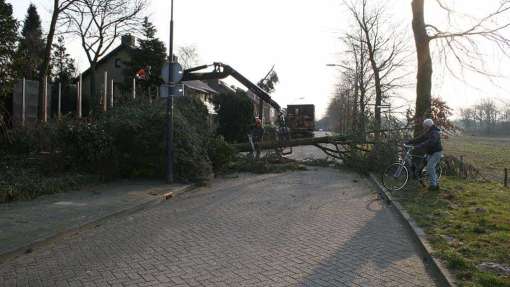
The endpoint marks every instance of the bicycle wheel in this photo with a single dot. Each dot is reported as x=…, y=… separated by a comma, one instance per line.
x=395, y=177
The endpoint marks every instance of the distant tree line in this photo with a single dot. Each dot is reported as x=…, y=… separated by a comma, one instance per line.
x=486, y=118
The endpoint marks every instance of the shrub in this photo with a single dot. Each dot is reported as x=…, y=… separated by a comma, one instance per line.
x=235, y=116
x=22, y=178
x=128, y=141
x=220, y=153
x=86, y=146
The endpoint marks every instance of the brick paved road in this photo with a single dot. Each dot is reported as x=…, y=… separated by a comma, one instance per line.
x=312, y=228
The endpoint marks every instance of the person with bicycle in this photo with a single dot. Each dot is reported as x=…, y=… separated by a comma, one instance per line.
x=430, y=144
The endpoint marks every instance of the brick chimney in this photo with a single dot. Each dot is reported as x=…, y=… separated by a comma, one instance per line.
x=128, y=40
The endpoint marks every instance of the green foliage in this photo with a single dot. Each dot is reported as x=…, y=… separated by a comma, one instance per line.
x=9, y=36
x=491, y=280
x=129, y=141
x=30, y=52
x=86, y=146
x=455, y=260
x=62, y=65
x=25, y=177
x=191, y=138
x=220, y=153
x=126, y=142
x=235, y=116
x=20, y=141
x=268, y=84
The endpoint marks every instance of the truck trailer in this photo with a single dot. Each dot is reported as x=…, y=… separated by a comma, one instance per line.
x=301, y=120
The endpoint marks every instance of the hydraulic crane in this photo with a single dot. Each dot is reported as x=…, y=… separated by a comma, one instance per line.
x=221, y=71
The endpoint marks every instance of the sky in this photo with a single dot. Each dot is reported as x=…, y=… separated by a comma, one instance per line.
x=300, y=38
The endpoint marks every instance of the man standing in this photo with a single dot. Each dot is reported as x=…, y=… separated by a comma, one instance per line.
x=430, y=144
x=256, y=135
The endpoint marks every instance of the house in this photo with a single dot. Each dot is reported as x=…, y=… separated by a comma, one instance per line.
x=114, y=65
x=112, y=69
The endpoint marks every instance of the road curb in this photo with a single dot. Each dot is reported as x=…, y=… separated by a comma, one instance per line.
x=441, y=272
x=43, y=241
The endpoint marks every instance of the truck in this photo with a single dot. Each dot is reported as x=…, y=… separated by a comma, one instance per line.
x=301, y=120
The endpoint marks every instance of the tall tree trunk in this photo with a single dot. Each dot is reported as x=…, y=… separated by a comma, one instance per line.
x=355, y=110
x=43, y=102
x=91, y=101
x=362, y=106
x=377, y=80
x=424, y=75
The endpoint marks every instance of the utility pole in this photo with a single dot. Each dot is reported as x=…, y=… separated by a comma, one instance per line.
x=169, y=131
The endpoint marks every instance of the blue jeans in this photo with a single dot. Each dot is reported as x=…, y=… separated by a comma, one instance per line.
x=432, y=162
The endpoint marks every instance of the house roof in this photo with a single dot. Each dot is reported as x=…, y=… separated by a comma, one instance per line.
x=200, y=86
x=220, y=86
x=113, y=53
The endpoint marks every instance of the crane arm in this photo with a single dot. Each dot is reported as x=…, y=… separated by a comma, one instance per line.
x=222, y=71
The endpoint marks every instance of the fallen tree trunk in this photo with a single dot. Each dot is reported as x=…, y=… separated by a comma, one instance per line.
x=246, y=147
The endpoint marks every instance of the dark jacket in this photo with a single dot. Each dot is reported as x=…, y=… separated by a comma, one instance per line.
x=257, y=133
x=430, y=142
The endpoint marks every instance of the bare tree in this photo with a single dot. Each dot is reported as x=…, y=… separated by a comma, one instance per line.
x=384, y=49
x=99, y=23
x=468, y=118
x=461, y=44
x=59, y=6
x=348, y=106
x=188, y=56
x=357, y=72
x=488, y=114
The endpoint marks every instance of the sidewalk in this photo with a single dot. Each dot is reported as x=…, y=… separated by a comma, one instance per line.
x=26, y=224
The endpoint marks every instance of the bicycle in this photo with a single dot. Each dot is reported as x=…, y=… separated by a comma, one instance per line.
x=396, y=176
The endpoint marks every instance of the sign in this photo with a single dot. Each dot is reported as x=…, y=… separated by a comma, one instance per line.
x=166, y=91
x=177, y=73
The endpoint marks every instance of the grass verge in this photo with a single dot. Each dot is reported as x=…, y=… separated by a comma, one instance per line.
x=468, y=225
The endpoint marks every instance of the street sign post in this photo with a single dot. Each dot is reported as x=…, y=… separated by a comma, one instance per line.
x=176, y=90
x=175, y=70
x=169, y=129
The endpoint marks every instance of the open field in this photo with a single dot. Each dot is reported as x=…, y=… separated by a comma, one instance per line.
x=489, y=154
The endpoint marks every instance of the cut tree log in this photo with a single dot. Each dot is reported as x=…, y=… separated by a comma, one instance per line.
x=245, y=147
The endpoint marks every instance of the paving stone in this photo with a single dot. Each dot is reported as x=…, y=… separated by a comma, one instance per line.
x=309, y=228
